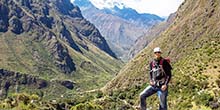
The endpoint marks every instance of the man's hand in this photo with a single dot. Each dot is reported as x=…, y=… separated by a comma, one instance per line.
x=152, y=83
x=164, y=87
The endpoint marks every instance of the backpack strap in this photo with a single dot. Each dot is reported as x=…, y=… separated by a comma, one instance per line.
x=153, y=64
x=161, y=61
x=161, y=65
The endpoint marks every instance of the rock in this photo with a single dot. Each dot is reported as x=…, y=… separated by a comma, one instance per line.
x=5, y=73
x=25, y=3
x=69, y=9
x=66, y=36
x=47, y=21
x=63, y=59
x=214, y=105
x=16, y=11
x=16, y=25
x=68, y=84
x=90, y=32
x=41, y=84
x=10, y=78
x=28, y=24
x=60, y=54
x=3, y=18
x=7, y=85
x=23, y=80
x=89, y=67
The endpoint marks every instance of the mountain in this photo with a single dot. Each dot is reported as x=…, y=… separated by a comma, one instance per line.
x=52, y=42
x=120, y=26
x=151, y=34
x=143, y=20
x=192, y=42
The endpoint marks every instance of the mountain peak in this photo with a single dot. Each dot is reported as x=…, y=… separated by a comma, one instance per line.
x=118, y=5
x=131, y=14
x=119, y=24
x=83, y=3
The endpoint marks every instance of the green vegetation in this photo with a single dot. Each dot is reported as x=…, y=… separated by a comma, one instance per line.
x=192, y=43
x=86, y=106
x=46, y=49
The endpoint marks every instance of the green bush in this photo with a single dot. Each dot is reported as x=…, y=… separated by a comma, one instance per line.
x=99, y=94
x=204, y=99
x=218, y=82
x=86, y=106
x=122, y=96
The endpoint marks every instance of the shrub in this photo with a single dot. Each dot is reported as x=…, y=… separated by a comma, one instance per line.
x=99, y=94
x=204, y=99
x=122, y=96
x=218, y=82
x=86, y=106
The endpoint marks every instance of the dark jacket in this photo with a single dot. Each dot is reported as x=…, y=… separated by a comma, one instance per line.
x=166, y=67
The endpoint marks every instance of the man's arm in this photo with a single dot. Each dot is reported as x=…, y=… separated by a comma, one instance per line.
x=152, y=82
x=167, y=69
x=168, y=77
x=150, y=71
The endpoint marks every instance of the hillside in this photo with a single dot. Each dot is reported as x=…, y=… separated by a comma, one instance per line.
x=150, y=34
x=51, y=41
x=120, y=27
x=192, y=42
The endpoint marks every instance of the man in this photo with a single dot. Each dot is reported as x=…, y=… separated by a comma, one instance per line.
x=160, y=75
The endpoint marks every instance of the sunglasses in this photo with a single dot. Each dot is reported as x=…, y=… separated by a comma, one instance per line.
x=156, y=52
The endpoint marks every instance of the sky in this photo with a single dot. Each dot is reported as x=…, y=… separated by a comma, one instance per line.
x=161, y=8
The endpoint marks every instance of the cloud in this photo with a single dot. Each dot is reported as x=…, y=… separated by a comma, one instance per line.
x=158, y=7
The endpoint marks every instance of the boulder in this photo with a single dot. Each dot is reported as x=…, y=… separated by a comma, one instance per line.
x=16, y=25
x=3, y=18
x=68, y=84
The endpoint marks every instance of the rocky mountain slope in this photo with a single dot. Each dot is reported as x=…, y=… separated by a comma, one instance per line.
x=120, y=27
x=51, y=40
x=192, y=42
x=151, y=34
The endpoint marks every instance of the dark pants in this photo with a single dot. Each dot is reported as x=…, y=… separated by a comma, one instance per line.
x=150, y=90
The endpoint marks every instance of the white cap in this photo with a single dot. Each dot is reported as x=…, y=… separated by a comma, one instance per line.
x=157, y=49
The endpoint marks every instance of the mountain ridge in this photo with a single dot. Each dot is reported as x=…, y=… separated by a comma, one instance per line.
x=151, y=34
x=191, y=42
x=143, y=20
x=118, y=26
x=52, y=40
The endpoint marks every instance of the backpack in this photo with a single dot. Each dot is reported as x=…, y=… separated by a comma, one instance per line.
x=167, y=59
x=158, y=71
x=161, y=61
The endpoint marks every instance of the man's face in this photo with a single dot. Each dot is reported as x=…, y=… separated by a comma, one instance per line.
x=157, y=54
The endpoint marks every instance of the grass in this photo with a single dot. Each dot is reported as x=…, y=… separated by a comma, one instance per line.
x=192, y=43
x=21, y=53
x=30, y=53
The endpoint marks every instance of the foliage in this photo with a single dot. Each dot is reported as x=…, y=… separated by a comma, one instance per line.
x=86, y=106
